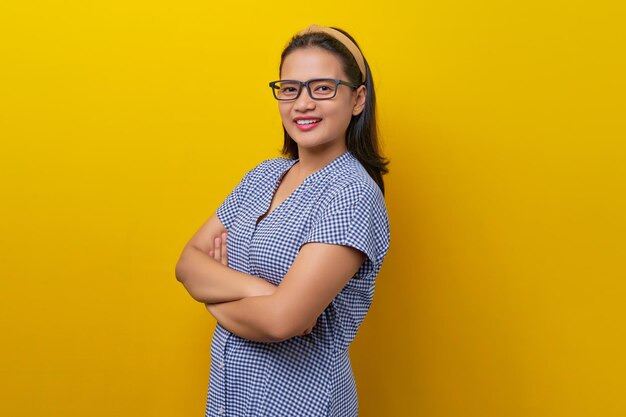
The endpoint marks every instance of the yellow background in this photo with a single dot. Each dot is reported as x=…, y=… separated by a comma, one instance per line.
x=123, y=125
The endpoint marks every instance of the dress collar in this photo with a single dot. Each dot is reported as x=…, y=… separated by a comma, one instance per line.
x=338, y=161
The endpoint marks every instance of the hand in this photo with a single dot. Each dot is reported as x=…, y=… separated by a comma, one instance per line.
x=219, y=252
x=220, y=255
x=210, y=308
x=214, y=309
x=309, y=330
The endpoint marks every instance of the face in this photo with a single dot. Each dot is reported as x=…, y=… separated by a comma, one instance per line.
x=304, y=64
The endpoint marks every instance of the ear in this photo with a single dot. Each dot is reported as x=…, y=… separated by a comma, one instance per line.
x=359, y=101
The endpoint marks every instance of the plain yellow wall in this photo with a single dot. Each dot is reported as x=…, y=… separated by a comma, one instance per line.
x=123, y=125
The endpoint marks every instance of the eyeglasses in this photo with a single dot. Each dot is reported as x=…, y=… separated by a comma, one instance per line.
x=318, y=88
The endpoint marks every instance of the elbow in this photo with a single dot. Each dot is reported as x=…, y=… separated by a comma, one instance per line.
x=179, y=270
x=283, y=327
x=277, y=334
x=284, y=332
x=181, y=274
x=182, y=269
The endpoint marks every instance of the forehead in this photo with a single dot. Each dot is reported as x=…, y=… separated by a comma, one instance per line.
x=306, y=63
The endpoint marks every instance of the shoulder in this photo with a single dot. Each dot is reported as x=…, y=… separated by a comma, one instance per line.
x=267, y=167
x=351, y=184
x=273, y=163
x=352, y=211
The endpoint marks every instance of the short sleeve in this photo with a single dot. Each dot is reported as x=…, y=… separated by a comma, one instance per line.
x=356, y=217
x=229, y=210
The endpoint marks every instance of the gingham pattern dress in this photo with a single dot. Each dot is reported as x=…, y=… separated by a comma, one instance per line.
x=306, y=375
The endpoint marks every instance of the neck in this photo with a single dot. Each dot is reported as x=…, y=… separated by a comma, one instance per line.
x=312, y=160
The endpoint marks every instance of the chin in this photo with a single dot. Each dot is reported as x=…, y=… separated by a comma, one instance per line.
x=307, y=141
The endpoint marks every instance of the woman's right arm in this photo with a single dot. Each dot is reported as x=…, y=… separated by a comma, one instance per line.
x=210, y=281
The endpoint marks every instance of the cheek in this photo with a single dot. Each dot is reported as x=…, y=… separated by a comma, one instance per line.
x=342, y=117
x=342, y=112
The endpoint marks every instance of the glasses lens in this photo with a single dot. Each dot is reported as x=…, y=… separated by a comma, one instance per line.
x=286, y=90
x=322, y=89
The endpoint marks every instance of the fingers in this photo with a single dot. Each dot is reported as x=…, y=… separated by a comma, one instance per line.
x=310, y=329
x=307, y=331
x=218, y=249
x=219, y=252
x=223, y=250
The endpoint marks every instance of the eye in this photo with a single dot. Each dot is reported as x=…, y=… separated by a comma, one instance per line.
x=325, y=88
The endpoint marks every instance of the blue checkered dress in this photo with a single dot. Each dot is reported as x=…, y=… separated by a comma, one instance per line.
x=305, y=375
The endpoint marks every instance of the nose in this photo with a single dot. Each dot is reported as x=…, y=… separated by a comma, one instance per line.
x=304, y=101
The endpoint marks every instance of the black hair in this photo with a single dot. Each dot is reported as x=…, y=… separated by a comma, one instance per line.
x=362, y=132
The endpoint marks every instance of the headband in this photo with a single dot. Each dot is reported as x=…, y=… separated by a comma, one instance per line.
x=354, y=50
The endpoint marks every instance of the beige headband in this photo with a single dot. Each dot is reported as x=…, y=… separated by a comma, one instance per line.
x=344, y=40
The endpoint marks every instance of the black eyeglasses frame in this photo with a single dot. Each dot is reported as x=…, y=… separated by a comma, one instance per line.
x=337, y=82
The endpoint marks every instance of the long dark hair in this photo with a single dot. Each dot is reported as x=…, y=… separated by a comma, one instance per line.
x=362, y=132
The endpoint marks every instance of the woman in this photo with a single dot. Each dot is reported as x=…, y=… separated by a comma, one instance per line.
x=307, y=236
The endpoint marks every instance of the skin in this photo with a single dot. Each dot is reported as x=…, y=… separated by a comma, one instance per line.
x=249, y=306
x=220, y=255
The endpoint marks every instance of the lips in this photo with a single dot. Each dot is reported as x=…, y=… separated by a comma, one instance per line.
x=302, y=122
x=307, y=123
x=306, y=119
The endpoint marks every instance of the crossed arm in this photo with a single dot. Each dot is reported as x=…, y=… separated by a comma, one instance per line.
x=249, y=306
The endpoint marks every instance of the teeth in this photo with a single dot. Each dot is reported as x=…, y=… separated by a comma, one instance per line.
x=307, y=122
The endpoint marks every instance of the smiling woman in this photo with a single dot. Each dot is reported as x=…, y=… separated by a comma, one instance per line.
x=293, y=278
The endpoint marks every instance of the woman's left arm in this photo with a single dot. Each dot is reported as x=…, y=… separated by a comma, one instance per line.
x=316, y=276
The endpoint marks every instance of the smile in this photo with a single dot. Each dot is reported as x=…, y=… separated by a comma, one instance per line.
x=307, y=124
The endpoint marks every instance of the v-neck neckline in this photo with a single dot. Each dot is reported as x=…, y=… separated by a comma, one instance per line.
x=306, y=180
x=277, y=183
